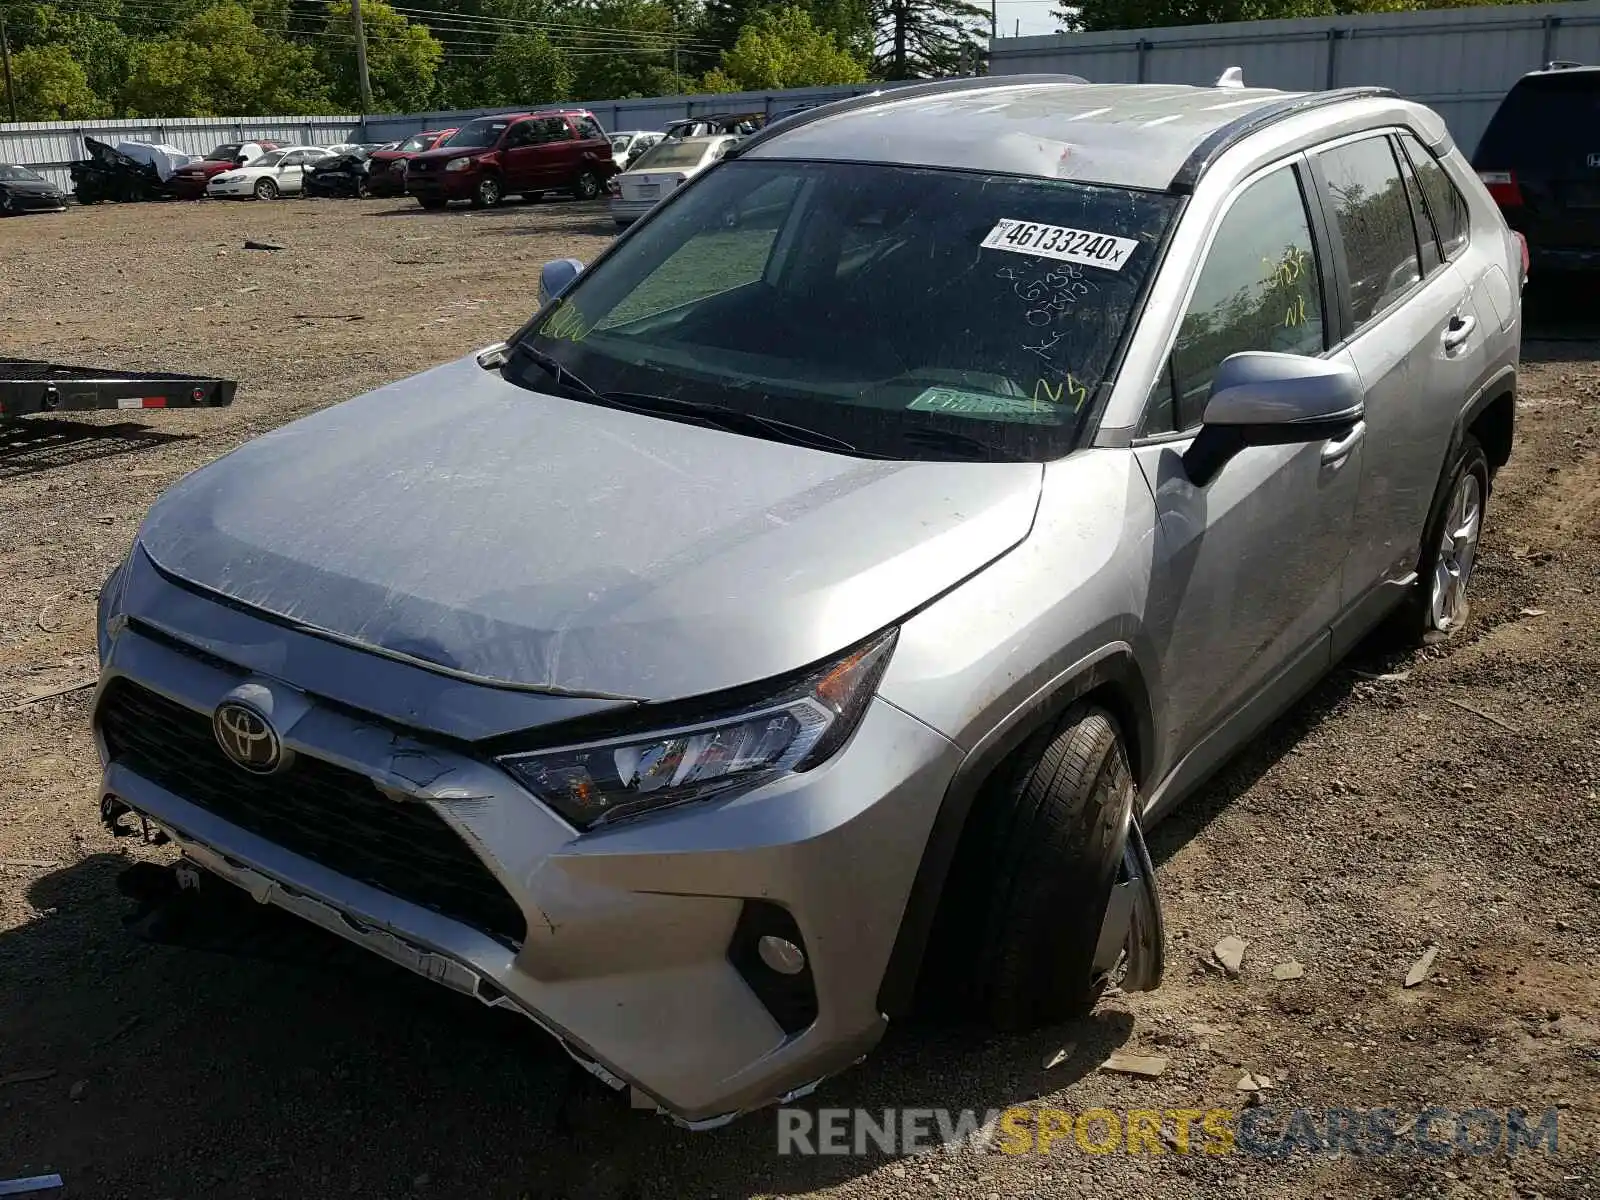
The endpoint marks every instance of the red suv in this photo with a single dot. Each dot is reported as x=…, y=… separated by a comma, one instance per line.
x=189, y=183
x=386, y=172
x=524, y=154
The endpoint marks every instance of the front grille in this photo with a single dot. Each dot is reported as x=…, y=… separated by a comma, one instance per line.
x=322, y=812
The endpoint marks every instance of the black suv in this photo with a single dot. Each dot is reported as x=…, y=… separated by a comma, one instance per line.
x=1540, y=158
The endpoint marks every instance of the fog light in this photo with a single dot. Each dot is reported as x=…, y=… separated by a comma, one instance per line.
x=782, y=955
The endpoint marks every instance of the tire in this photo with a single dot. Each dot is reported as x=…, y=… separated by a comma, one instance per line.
x=587, y=186
x=1036, y=872
x=432, y=203
x=487, y=194
x=265, y=189
x=1437, y=607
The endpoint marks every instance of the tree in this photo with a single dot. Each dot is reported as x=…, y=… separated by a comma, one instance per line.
x=627, y=49
x=918, y=39
x=51, y=85
x=527, y=69
x=781, y=48
x=402, y=58
x=93, y=39
x=219, y=63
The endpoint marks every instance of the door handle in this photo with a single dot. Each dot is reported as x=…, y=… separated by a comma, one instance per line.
x=1458, y=331
x=1335, y=452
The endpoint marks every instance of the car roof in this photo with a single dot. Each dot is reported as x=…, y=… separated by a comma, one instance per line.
x=1054, y=127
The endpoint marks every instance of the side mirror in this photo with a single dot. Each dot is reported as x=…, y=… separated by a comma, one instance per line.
x=1259, y=398
x=556, y=277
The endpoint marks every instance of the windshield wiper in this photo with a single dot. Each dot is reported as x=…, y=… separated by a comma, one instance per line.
x=948, y=440
x=732, y=420
x=552, y=367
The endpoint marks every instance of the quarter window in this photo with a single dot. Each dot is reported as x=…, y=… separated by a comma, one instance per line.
x=1445, y=203
x=588, y=127
x=1259, y=289
x=1373, y=217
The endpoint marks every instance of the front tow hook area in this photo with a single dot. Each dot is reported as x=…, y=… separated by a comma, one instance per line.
x=1131, y=952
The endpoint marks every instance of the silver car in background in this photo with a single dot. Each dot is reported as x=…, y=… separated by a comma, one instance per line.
x=662, y=170
x=629, y=144
x=809, y=607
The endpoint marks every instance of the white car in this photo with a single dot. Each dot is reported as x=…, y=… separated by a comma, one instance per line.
x=276, y=173
x=628, y=144
x=662, y=170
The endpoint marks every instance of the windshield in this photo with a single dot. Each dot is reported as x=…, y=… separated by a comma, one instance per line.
x=476, y=134
x=671, y=154
x=416, y=143
x=271, y=159
x=226, y=152
x=912, y=313
x=10, y=174
x=1545, y=121
x=620, y=143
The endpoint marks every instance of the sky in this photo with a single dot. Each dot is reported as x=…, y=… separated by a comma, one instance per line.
x=1035, y=16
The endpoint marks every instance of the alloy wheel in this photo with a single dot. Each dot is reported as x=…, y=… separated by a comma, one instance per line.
x=1458, y=550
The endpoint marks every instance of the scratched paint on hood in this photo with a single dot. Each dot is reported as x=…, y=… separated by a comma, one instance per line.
x=540, y=542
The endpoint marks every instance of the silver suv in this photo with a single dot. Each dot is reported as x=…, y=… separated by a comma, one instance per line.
x=808, y=607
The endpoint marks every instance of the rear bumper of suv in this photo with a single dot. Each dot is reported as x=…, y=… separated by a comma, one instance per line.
x=634, y=946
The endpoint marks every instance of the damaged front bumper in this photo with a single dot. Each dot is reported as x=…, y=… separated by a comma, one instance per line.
x=638, y=950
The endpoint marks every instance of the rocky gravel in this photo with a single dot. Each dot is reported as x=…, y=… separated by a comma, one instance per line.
x=1447, y=798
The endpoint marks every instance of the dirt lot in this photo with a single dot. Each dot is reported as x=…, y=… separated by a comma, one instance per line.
x=1454, y=803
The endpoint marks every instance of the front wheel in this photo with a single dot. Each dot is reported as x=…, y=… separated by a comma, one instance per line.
x=1437, y=606
x=487, y=193
x=587, y=186
x=1055, y=888
x=266, y=190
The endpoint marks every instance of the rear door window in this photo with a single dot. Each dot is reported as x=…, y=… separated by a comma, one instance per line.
x=1446, y=205
x=1372, y=216
x=1259, y=289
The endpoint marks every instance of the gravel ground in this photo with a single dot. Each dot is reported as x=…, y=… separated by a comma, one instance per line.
x=1451, y=803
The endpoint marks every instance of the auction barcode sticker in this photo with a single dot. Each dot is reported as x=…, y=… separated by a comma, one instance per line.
x=1103, y=250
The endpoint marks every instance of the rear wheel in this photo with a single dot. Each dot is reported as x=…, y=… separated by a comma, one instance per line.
x=1437, y=606
x=587, y=186
x=266, y=190
x=487, y=193
x=1055, y=889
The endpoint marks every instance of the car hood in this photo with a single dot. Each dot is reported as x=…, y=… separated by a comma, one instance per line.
x=457, y=520
x=30, y=187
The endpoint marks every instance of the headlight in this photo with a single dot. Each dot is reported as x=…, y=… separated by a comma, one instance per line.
x=801, y=727
x=108, y=609
x=459, y=164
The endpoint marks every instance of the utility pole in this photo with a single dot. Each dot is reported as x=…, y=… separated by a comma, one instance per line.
x=5, y=50
x=361, y=57
x=994, y=19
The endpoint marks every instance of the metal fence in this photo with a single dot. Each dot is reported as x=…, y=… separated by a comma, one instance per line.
x=50, y=146
x=1459, y=61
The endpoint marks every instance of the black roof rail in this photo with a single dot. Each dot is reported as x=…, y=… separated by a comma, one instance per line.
x=1225, y=136
x=933, y=87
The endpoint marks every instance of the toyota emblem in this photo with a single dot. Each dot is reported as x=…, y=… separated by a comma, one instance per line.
x=247, y=738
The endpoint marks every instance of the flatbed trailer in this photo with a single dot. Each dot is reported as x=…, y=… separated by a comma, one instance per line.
x=28, y=387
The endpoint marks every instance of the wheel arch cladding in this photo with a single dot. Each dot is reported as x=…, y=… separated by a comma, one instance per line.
x=1114, y=683
x=1494, y=426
